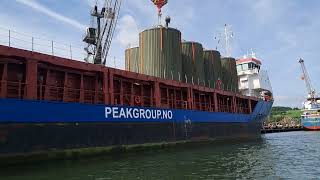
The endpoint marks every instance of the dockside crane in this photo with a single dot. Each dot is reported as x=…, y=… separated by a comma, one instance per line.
x=306, y=78
x=99, y=36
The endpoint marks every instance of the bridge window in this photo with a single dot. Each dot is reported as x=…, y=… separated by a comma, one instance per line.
x=245, y=67
x=253, y=66
x=239, y=67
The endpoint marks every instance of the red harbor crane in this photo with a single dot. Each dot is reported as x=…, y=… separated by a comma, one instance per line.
x=306, y=78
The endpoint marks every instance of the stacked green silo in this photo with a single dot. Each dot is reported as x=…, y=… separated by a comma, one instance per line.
x=160, y=53
x=212, y=61
x=208, y=68
x=193, y=63
x=230, y=77
x=132, y=59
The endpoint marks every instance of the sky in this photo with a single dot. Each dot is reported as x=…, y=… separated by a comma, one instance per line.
x=279, y=31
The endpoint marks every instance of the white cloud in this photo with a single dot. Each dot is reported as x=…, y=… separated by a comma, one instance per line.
x=182, y=20
x=127, y=31
x=91, y=3
x=145, y=7
x=42, y=9
x=289, y=39
x=289, y=101
x=271, y=11
x=263, y=10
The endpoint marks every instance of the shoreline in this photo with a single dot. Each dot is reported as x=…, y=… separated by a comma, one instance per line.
x=279, y=130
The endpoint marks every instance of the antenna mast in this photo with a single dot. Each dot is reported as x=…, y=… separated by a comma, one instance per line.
x=228, y=35
x=306, y=78
x=99, y=37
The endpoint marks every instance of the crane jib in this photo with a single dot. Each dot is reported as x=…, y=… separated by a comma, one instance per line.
x=307, y=79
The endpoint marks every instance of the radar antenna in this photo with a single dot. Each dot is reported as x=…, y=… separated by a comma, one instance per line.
x=306, y=78
x=99, y=36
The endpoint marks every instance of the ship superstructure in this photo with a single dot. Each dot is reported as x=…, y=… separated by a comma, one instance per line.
x=253, y=80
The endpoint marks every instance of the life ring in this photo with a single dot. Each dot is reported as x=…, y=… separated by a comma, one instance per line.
x=218, y=84
x=137, y=99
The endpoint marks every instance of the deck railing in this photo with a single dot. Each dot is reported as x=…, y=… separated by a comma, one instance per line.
x=15, y=89
x=67, y=94
x=24, y=41
x=172, y=103
x=18, y=90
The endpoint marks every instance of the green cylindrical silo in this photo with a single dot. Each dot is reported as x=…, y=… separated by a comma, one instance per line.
x=160, y=53
x=132, y=59
x=230, y=77
x=193, y=63
x=213, y=72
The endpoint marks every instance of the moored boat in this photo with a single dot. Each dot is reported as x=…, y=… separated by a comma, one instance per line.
x=310, y=118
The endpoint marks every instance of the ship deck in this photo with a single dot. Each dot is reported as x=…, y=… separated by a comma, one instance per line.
x=35, y=76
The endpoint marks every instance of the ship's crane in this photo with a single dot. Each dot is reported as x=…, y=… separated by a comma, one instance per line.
x=306, y=78
x=99, y=36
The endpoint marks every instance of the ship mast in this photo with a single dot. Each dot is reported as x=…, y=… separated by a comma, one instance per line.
x=99, y=36
x=228, y=35
x=306, y=78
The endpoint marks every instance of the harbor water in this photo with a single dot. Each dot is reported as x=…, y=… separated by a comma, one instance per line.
x=292, y=155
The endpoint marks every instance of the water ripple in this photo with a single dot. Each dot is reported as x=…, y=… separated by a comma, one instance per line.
x=276, y=156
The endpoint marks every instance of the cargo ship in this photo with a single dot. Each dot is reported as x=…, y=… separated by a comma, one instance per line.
x=310, y=118
x=171, y=91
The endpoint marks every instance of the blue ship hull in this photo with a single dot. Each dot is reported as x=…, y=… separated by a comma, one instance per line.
x=28, y=126
x=311, y=123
